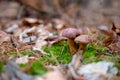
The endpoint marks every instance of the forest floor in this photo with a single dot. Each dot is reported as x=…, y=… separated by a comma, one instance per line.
x=32, y=45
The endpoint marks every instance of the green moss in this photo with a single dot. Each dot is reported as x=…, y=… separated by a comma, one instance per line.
x=12, y=53
x=28, y=52
x=1, y=67
x=96, y=53
x=117, y=64
x=37, y=68
x=92, y=53
x=58, y=54
x=23, y=65
x=101, y=38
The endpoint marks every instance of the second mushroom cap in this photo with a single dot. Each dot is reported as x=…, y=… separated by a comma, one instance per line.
x=83, y=39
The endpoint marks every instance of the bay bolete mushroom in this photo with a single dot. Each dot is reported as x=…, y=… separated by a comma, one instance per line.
x=83, y=40
x=71, y=33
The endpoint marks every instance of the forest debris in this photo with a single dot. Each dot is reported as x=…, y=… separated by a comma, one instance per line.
x=103, y=27
x=40, y=43
x=112, y=36
x=113, y=39
x=30, y=22
x=43, y=36
x=14, y=73
x=115, y=29
x=115, y=47
x=24, y=33
x=58, y=24
x=39, y=49
x=73, y=66
x=96, y=71
x=47, y=33
x=29, y=39
x=6, y=47
x=11, y=28
x=54, y=75
x=22, y=60
x=4, y=36
x=14, y=42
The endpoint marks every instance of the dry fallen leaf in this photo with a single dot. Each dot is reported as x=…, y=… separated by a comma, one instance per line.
x=115, y=47
x=116, y=29
x=112, y=36
x=22, y=60
x=30, y=22
x=55, y=75
x=3, y=36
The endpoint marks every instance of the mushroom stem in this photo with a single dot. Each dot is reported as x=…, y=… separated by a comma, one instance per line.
x=82, y=47
x=72, y=46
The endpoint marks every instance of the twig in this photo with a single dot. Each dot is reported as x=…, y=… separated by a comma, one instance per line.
x=62, y=51
x=14, y=44
x=20, y=12
x=14, y=73
x=72, y=65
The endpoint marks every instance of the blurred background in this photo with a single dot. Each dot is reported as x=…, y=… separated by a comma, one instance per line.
x=73, y=12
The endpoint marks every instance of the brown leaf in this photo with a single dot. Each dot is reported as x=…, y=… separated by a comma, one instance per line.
x=110, y=37
x=115, y=29
x=3, y=36
x=106, y=32
x=115, y=47
x=30, y=22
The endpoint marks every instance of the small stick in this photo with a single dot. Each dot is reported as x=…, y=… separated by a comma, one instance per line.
x=14, y=45
x=20, y=12
x=73, y=65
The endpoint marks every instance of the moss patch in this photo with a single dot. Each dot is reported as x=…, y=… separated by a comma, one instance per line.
x=96, y=53
x=37, y=68
x=1, y=67
x=92, y=53
x=57, y=54
x=28, y=52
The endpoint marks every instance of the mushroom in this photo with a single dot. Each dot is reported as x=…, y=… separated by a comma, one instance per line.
x=71, y=33
x=83, y=40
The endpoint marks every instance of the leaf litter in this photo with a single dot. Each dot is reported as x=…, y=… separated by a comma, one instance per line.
x=33, y=49
x=45, y=37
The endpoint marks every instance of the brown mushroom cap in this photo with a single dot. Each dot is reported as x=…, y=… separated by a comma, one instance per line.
x=85, y=39
x=70, y=32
